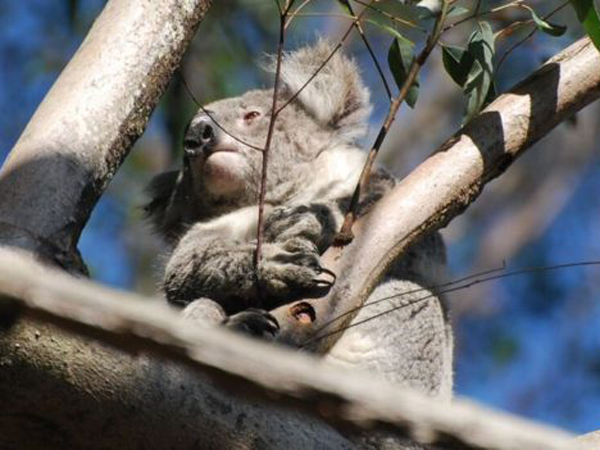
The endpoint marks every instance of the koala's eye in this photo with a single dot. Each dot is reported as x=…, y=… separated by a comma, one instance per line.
x=250, y=116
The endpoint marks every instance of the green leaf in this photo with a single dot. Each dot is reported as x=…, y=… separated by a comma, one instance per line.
x=344, y=5
x=456, y=11
x=395, y=33
x=400, y=58
x=473, y=92
x=479, y=79
x=588, y=16
x=481, y=46
x=549, y=28
x=472, y=68
x=457, y=62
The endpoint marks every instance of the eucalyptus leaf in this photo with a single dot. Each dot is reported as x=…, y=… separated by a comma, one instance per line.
x=479, y=79
x=392, y=31
x=456, y=11
x=588, y=16
x=400, y=59
x=457, y=62
x=546, y=27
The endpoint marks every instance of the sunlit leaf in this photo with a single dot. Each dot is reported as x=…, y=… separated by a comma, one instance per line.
x=588, y=16
x=400, y=58
x=392, y=31
x=455, y=11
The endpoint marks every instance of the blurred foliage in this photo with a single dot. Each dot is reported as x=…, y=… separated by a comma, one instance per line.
x=530, y=343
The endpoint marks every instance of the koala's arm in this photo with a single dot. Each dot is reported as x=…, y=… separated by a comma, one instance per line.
x=214, y=259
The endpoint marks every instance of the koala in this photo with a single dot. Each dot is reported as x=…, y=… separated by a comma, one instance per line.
x=207, y=212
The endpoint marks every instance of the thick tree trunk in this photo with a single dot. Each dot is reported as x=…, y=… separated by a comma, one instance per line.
x=87, y=123
x=147, y=402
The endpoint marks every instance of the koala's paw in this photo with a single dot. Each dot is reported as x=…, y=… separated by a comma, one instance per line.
x=293, y=267
x=255, y=322
x=314, y=222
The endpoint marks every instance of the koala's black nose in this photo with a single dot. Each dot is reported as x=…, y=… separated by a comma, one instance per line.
x=200, y=138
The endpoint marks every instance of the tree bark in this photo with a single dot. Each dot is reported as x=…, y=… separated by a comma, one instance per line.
x=443, y=186
x=89, y=120
x=147, y=401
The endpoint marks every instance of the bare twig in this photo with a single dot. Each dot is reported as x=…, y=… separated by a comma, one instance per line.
x=295, y=13
x=265, y=154
x=389, y=16
x=369, y=49
x=274, y=113
x=477, y=13
x=441, y=289
x=324, y=63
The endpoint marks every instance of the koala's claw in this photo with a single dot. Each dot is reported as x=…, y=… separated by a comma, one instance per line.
x=326, y=271
x=255, y=322
x=324, y=282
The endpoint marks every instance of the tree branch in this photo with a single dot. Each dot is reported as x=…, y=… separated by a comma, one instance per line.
x=87, y=123
x=352, y=402
x=443, y=186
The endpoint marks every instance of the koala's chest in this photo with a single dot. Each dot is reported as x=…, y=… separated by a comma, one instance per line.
x=240, y=225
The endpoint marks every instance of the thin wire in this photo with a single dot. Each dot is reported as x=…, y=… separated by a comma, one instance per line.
x=517, y=272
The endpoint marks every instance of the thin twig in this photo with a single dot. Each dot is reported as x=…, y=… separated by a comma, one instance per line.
x=296, y=13
x=359, y=27
x=526, y=38
x=389, y=16
x=345, y=234
x=265, y=155
x=479, y=278
x=477, y=13
x=435, y=288
x=323, y=64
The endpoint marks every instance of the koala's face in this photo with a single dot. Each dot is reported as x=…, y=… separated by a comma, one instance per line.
x=223, y=144
x=216, y=143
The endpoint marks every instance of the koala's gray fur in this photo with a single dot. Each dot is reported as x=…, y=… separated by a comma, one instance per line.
x=208, y=212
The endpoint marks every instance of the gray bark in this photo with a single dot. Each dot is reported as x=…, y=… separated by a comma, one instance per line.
x=146, y=401
x=446, y=183
x=89, y=120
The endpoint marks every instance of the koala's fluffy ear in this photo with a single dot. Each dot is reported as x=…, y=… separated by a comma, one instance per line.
x=337, y=96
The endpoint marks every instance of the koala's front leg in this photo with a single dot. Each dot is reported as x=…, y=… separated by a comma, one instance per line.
x=222, y=270
x=314, y=224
